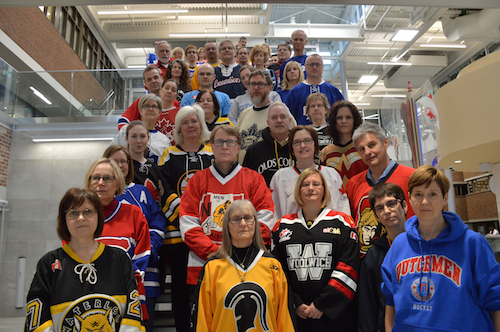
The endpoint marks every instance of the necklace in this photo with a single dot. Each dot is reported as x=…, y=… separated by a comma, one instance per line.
x=244, y=258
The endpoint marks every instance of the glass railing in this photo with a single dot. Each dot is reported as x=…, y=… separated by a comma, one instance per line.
x=66, y=93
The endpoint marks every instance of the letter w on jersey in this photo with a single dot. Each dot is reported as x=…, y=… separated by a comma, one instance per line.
x=309, y=262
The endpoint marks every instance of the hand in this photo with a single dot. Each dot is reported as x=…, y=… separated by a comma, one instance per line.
x=300, y=310
x=312, y=312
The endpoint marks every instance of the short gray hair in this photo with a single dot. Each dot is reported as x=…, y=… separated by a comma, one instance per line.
x=148, y=99
x=276, y=104
x=263, y=73
x=184, y=112
x=368, y=128
x=163, y=42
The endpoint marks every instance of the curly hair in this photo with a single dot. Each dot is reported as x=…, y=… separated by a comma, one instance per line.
x=331, y=130
x=185, y=83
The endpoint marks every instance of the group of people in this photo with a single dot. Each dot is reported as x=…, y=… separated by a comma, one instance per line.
x=292, y=220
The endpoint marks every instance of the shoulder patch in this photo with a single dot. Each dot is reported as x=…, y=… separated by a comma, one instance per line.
x=285, y=235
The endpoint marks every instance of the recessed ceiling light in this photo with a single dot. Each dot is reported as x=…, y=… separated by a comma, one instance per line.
x=367, y=79
x=458, y=161
x=126, y=12
x=393, y=96
x=404, y=35
x=444, y=45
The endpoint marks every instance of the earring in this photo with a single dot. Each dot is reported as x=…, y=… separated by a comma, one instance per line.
x=180, y=134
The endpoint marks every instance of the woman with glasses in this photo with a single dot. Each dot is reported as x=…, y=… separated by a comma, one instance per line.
x=318, y=248
x=439, y=275
x=211, y=191
x=293, y=76
x=304, y=146
x=125, y=226
x=150, y=107
x=208, y=102
x=242, y=287
x=259, y=56
x=342, y=155
x=178, y=71
x=71, y=284
x=177, y=165
x=140, y=196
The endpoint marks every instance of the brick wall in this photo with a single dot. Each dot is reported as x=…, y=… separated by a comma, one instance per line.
x=461, y=207
x=35, y=34
x=481, y=205
x=5, y=140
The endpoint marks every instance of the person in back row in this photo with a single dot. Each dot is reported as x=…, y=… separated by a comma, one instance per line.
x=271, y=153
x=206, y=77
x=212, y=58
x=227, y=77
x=372, y=145
x=298, y=41
x=389, y=203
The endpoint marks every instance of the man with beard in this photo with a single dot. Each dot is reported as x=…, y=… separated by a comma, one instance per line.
x=253, y=120
x=271, y=152
x=212, y=57
x=227, y=78
x=163, y=52
x=153, y=80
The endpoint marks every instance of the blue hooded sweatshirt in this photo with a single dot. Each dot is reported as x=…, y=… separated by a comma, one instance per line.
x=449, y=283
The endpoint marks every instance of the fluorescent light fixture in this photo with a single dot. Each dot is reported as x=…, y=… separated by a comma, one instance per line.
x=458, y=161
x=136, y=66
x=389, y=63
x=371, y=117
x=444, y=45
x=126, y=12
x=393, y=96
x=404, y=35
x=221, y=34
x=40, y=95
x=361, y=104
x=361, y=98
x=367, y=79
x=72, y=138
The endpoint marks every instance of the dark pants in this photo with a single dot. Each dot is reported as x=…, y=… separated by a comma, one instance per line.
x=150, y=305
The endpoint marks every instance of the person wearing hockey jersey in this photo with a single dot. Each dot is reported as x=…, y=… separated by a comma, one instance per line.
x=244, y=101
x=317, y=109
x=439, y=275
x=227, y=77
x=125, y=226
x=150, y=106
x=212, y=58
x=271, y=152
x=210, y=191
x=389, y=203
x=372, y=144
x=242, y=281
x=318, y=249
x=259, y=55
x=153, y=81
x=177, y=165
x=208, y=102
x=146, y=172
x=166, y=120
x=152, y=58
x=293, y=76
x=296, y=99
x=140, y=196
x=298, y=41
x=85, y=285
x=191, y=58
x=303, y=144
x=342, y=155
x=206, y=77
x=163, y=52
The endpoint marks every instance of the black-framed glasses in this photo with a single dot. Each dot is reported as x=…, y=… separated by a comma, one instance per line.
x=249, y=219
x=231, y=143
x=306, y=141
x=105, y=178
x=261, y=85
x=74, y=214
x=392, y=204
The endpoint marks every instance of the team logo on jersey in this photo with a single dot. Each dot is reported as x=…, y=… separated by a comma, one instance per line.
x=212, y=210
x=369, y=228
x=354, y=236
x=247, y=300
x=309, y=262
x=96, y=312
x=423, y=289
x=56, y=265
x=250, y=136
x=285, y=235
x=183, y=181
x=332, y=230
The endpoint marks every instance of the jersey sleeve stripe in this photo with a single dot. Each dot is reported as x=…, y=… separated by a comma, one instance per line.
x=345, y=279
x=188, y=223
x=341, y=288
x=348, y=270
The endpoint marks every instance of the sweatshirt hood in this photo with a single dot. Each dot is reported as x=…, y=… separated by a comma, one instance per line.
x=456, y=227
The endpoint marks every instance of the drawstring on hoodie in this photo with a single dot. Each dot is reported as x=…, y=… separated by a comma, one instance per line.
x=424, y=296
x=278, y=156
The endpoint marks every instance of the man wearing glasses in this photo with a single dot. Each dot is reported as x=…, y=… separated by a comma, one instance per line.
x=313, y=83
x=253, y=120
x=227, y=72
x=389, y=203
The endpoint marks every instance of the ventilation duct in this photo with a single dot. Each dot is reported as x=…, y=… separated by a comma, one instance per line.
x=483, y=25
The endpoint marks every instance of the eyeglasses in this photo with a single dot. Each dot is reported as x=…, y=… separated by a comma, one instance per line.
x=151, y=107
x=231, y=143
x=315, y=184
x=314, y=64
x=261, y=85
x=249, y=219
x=306, y=141
x=97, y=178
x=74, y=214
x=390, y=204
x=121, y=162
x=191, y=52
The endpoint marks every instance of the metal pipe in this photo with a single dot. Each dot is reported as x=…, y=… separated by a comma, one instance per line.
x=21, y=269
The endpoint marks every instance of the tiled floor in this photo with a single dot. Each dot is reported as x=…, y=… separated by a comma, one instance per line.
x=10, y=324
